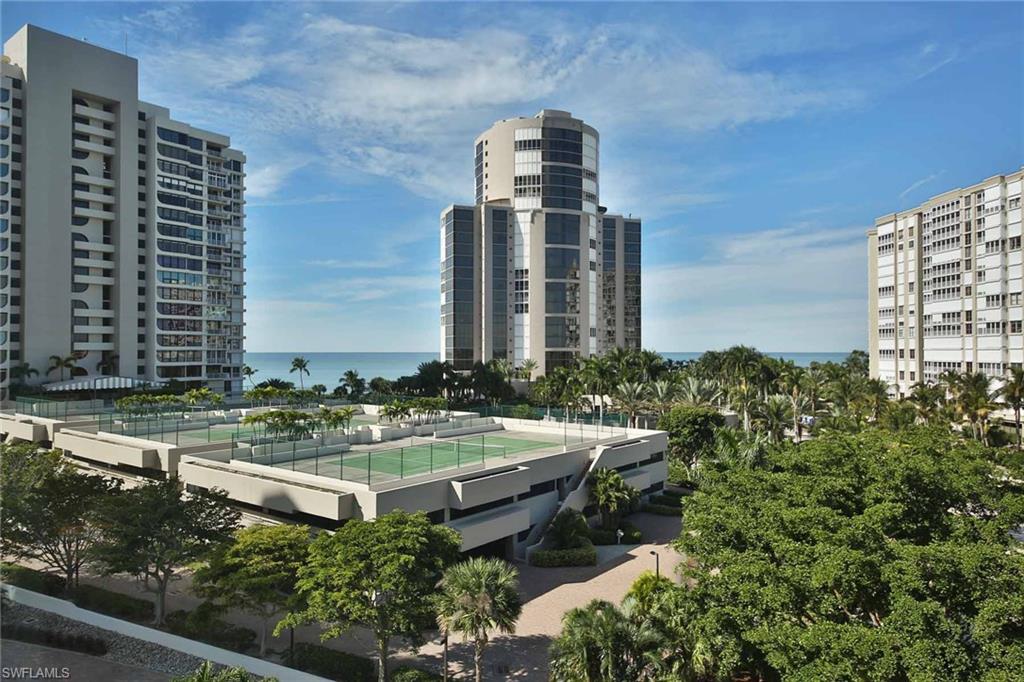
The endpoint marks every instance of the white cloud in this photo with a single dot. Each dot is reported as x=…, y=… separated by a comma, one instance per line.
x=790, y=289
x=403, y=105
x=918, y=183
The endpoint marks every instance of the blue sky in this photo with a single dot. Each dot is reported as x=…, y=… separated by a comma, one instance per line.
x=758, y=142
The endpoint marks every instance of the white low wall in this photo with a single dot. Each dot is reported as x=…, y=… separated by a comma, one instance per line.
x=201, y=650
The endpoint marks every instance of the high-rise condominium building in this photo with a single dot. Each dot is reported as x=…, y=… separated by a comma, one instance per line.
x=537, y=269
x=122, y=229
x=944, y=286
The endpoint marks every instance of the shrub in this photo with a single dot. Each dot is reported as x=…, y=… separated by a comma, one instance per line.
x=24, y=632
x=665, y=500
x=37, y=581
x=202, y=625
x=112, y=603
x=85, y=596
x=631, y=535
x=568, y=530
x=523, y=412
x=406, y=674
x=663, y=510
x=337, y=665
x=678, y=494
x=551, y=558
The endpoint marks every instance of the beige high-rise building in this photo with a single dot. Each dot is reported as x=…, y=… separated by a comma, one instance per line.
x=122, y=229
x=537, y=269
x=944, y=286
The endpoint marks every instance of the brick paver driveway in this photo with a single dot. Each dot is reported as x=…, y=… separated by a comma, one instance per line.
x=550, y=592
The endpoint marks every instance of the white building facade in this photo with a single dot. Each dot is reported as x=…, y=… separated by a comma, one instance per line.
x=123, y=229
x=536, y=268
x=945, y=286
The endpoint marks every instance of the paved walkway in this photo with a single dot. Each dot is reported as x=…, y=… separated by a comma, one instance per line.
x=548, y=593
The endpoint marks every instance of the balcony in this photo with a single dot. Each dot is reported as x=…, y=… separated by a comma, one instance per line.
x=83, y=110
x=95, y=147
x=93, y=130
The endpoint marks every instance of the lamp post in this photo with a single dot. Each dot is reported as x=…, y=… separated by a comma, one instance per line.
x=657, y=563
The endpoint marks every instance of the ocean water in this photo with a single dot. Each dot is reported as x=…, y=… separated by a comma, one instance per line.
x=327, y=368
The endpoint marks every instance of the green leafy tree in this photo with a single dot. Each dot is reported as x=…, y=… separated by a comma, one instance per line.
x=568, y=530
x=153, y=531
x=380, y=574
x=48, y=509
x=476, y=597
x=256, y=572
x=691, y=431
x=601, y=643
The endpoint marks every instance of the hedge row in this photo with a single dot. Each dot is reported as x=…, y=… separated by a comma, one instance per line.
x=406, y=674
x=202, y=625
x=23, y=632
x=662, y=510
x=631, y=535
x=666, y=500
x=337, y=665
x=551, y=558
x=85, y=596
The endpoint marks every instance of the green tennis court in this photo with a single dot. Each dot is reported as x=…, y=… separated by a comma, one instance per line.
x=422, y=457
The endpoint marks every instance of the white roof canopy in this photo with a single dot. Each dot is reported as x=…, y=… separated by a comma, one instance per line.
x=100, y=384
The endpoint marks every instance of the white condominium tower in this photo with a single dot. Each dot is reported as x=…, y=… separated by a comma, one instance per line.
x=537, y=269
x=944, y=286
x=122, y=229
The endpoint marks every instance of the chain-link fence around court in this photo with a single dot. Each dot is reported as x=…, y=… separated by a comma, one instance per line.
x=419, y=457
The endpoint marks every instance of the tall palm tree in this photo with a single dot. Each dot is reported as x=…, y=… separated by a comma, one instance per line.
x=1012, y=393
x=504, y=369
x=601, y=643
x=248, y=372
x=60, y=363
x=598, y=375
x=743, y=398
x=976, y=402
x=300, y=365
x=476, y=597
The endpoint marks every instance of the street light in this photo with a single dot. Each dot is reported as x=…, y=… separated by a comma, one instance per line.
x=657, y=563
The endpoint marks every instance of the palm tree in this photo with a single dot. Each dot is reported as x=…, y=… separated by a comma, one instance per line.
x=599, y=375
x=772, y=416
x=876, y=393
x=353, y=383
x=699, y=392
x=743, y=398
x=504, y=368
x=735, y=447
x=662, y=392
x=1012, y=393
x=60, y=363
x=476, y=597
x=23, y=371
x=629, y=398
x=610, y=492
x=602, y=643
x=248, y=372
x=927, y=398
x=976, y=402
x=345, y=415
x=527, y=369
x=300, y=365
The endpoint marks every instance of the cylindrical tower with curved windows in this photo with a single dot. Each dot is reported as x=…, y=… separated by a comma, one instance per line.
x=541, y=284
